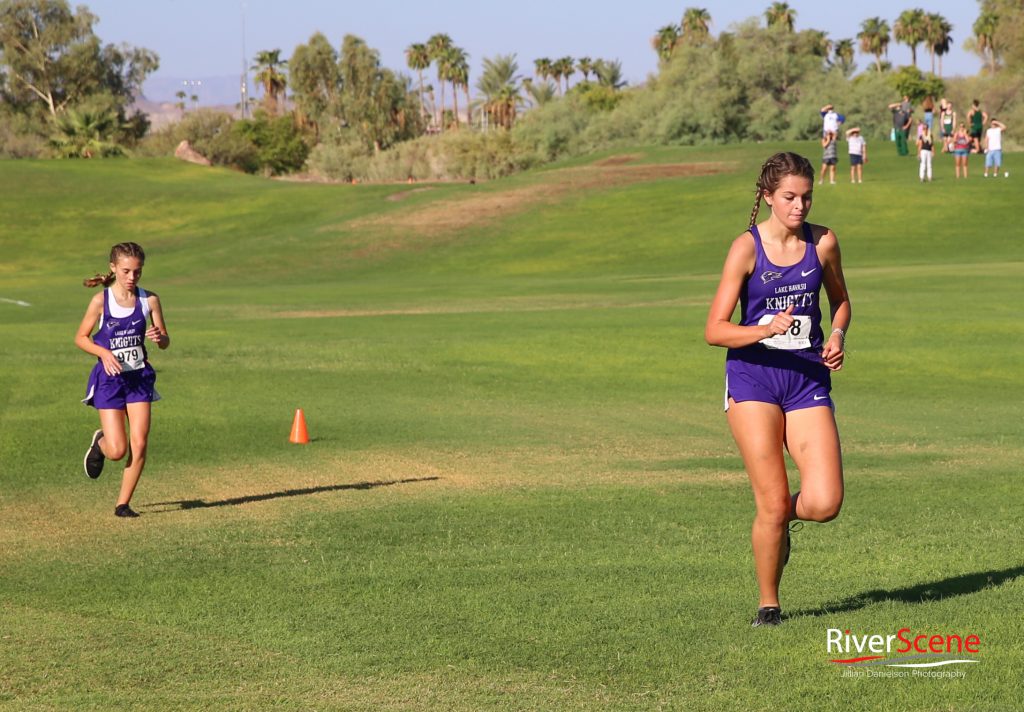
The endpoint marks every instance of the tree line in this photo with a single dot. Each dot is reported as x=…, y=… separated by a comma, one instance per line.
x=338, y=110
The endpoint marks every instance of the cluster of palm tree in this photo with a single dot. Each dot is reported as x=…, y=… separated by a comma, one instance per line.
x=694, y=29
x=452, y=64
x=913, y=28
x=563, y=68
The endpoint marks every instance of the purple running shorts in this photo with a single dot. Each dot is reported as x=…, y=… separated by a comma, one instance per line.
x=799, y=384
x=115, y=392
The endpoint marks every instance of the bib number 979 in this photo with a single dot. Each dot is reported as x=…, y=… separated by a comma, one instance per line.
x=131, y=358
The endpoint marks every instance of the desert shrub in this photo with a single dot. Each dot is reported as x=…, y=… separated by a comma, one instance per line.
x=341, y=155
x=18, y=137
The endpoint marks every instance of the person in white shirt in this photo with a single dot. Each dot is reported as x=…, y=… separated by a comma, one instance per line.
x=830, y=120
x=994, y=146
x=858, y=149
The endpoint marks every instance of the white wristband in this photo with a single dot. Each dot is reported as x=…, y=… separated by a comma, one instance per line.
x=842, y=334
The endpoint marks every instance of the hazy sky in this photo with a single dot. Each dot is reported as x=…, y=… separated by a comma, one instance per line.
x=203, y=38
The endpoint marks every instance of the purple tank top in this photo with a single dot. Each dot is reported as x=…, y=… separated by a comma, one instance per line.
x=124, y=336
x=771, y=289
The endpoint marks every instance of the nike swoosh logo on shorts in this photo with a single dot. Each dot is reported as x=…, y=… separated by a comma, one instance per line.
x=820, y=397
x=804, y=274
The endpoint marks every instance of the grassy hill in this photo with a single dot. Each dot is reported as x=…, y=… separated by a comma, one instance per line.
x=521, y=493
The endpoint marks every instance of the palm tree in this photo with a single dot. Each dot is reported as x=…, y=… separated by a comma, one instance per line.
x=609, y=74
x=585, y=65
x=780, y=14
x=874, y=39
x=844, y=52
x=438, y=46
x=542, y=68
x=269, y=72
x=936, y=36
x=696, y=25
x=86, y=132
x=180, y=96
x=499, y=85
x=820, y=44
x=665, y=41
x=984, y=37
x=540, y=93
x=566, y=67
x=458, y=74
x=417, y=57
x=909, y=29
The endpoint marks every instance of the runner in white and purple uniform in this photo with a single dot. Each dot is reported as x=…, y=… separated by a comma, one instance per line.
x=779, y=364
x=122, y=331
x=121, y=384
x=785, y=369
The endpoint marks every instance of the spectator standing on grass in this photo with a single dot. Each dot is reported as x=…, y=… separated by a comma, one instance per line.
x=947, y=121
x=994, y=147
x=858, y=150
x=961, y=149
x=928, y=105
x=976, y=120
x=829, y=157
x=925, y=150
x=902, y=113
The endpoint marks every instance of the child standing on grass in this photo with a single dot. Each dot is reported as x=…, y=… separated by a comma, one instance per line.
x=858, y=154
x=961, y=149
x=122, y=383
x=829, y=157
x=779, y=364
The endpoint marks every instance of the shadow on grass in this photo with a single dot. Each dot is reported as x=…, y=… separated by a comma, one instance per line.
x=932, y=591
x=183, y=504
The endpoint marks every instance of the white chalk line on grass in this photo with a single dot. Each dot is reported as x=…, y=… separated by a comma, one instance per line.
x=15, y=301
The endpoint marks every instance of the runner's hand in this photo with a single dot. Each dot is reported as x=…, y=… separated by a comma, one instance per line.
x=833, y=354
x=781, y=322
x=155, y=335
x=111, y=365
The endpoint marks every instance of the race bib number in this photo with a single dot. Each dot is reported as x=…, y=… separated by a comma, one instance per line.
x=798, y=336
x=132, y=358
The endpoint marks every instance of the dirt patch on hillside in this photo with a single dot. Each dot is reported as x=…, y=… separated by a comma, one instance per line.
x=423, y=225
x=395, y=197
x=617, y=160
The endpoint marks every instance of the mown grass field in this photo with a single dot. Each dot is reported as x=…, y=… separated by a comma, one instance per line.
x=522, y=492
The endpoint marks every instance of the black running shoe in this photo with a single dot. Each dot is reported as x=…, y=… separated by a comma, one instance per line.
x=793, y=527
x=123, y=510
x=769, y=615
x=94, y=458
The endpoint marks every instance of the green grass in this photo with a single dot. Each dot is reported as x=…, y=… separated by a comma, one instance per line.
x=521, y=493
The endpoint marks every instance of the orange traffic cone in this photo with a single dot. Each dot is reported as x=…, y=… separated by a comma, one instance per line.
x=299, y=434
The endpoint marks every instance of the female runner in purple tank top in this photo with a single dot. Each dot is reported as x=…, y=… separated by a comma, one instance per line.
x=779, y=364
x=122, y=383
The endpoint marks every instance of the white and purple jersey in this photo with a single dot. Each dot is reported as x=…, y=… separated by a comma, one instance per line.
x=771, y=289
x=122, y=330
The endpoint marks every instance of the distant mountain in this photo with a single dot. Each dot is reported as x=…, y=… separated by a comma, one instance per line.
x=211, y=91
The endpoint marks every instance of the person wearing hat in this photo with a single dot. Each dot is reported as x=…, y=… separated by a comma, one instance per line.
x=830, y=120
x=858, y=149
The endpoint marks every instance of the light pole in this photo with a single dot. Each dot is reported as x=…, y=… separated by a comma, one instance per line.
x=244, y=88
